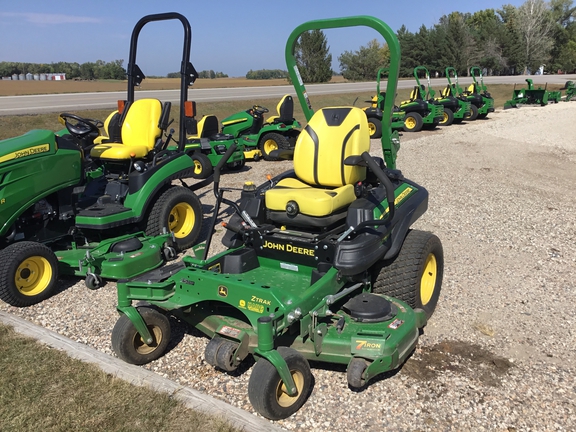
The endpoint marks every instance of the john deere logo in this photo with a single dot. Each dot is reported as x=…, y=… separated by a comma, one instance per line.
x=222, y=291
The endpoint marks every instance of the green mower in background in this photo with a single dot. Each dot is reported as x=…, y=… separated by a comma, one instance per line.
x=467, y=109
x=320, y=264
x=570, y=88
x=477, y=94
x=97, y=206
x=532, y=96
x=420, y=111
x=262, y=136
x=375, y=110
x=454, y=110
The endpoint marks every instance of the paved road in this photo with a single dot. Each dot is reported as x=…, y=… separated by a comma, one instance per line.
x=32, y=104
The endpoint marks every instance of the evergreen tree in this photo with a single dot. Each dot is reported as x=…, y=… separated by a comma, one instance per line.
x=363, y=65
x=313, y=58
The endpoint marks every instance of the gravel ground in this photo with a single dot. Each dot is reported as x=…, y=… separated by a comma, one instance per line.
x=498, y=354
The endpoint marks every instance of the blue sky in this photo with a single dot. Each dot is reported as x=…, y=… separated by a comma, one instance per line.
x=227, y=36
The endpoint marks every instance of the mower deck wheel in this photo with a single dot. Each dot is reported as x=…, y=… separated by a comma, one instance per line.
x=415, y=274
x=355, y=373
x=28, y=273
x=267, y=392
x=272, y=141
x=178, y=209
x=226, y=358
x=202, y=165
x=413, y=122
x=374, y=127
x=128, y=344
x=93, y=281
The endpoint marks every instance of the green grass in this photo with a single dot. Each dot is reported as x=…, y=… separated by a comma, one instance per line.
x=44, y=389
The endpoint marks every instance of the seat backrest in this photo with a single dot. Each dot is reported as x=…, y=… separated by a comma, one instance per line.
x=285, y=109
x=140, y=127
x=208, y=126
x=415, y=94
x=332, y=134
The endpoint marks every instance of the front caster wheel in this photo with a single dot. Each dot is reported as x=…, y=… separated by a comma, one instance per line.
x=93, y=281
x=355, y=373
x=129, y=345
x=267, y=392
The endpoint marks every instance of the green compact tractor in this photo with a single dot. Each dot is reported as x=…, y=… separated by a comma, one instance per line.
x=570, y=88
x=532, y=96
x=454, y=109
x=375, y=110
x=259, y=136
x=321, y=262
x=477, y=94
x=80, y=203
x=420, y=111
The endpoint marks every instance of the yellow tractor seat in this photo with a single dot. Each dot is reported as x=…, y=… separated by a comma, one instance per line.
x=445, y=92
x=139, y=132
x=207, y=126
x=322, y=187
x=285, y=109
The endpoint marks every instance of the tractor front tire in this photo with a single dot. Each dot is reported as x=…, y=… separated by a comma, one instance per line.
x=202, y=166
x=28, y=273
x=270, y=142
x=129, y=345
x=448, y=118
x=267, y=392
x=413, y=122
x=375, y=127
x=178, y=209
x=415, y=274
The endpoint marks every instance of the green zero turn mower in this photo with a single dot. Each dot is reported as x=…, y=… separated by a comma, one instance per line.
x=420, y=111
x=321, y=263
x=453, y=90
x=477, y=94
x=532, y=96
x=454, y=109
x=261, y=136
x=100, y=206
x=376, y=109
x=570, y=88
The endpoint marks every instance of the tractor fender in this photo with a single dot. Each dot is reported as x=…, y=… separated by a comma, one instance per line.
x=145, y=187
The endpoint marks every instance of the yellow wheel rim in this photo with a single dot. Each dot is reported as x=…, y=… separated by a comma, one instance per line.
x=285, y=400
x=181, y=220
x=197, y=167
x=444, y=118
x=141, y=347
x=428, y=280
x=33, y=276
x=410, y=122
x=371, y=128
x=270, y=145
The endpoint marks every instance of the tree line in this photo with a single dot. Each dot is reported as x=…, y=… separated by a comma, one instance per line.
x=90, y=70
x=203, y=74
x=507, y=41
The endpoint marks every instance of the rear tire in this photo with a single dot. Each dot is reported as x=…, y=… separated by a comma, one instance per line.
x=448, y=118
x=413, y=122
x=178, y=209
x=272, y=141
x=473, y=113
x=415, y=274
x=375, y=127
x=28, y=273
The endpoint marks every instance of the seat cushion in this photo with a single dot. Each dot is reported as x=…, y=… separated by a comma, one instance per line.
x=312, y=201
x=118, y=151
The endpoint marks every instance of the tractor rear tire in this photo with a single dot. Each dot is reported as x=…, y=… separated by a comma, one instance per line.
x=375, y=127
x=448, y=118
x=415, y=274
x=413, y=122
x=178, y=209
x=473, y=113
x=266, y=390
x=272, y=141
x=128, y=344
x=28, y=273
x=202, y=166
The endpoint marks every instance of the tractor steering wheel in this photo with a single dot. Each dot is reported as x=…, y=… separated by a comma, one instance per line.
x=82, y=127
x=260, y=109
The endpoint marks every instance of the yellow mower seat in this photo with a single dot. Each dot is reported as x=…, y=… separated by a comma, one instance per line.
x=138, y=133
x=323, y=184
x=285, y=109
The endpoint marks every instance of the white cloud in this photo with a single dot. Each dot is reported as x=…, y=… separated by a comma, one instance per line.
x=43, y=18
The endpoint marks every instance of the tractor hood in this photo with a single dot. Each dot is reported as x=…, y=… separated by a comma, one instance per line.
x=30, y=145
